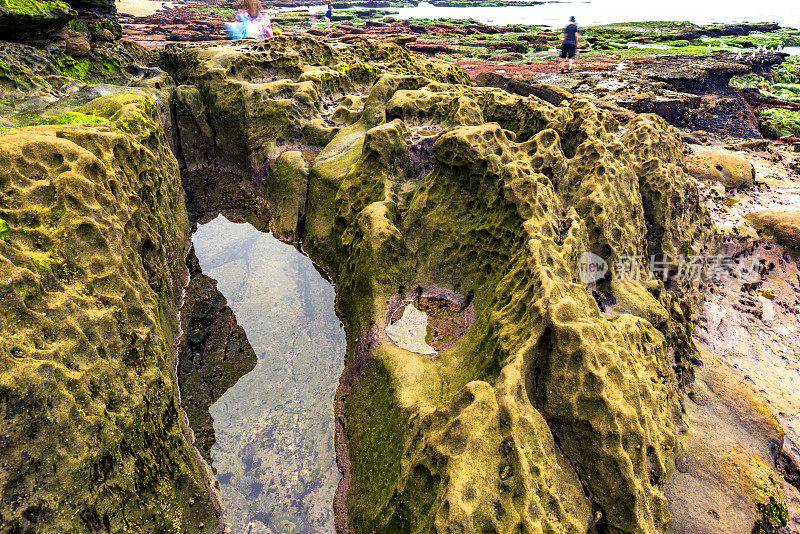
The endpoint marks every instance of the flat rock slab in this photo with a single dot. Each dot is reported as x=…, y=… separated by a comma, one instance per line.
x=726, y=457
x=410, y=330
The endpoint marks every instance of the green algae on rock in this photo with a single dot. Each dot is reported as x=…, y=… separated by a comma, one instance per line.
x=97, y=15
x=676, y=221
x=23, y=19
x=544, y=410
x=38, y=84
x=777, y=123
x=90, y=267
x=34, y=16
x=68, y=117
x=286, y=194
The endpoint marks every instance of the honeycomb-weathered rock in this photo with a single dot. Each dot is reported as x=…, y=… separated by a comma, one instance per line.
x=551, y=413
x=676, y=221
x=554, y=409
x=239, y=106
x=90, y=261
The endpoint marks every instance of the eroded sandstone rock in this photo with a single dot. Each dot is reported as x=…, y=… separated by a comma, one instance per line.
x=75, y=44
x=785, y=224
x=723, y=166
x=91, y=264
x=551, y=412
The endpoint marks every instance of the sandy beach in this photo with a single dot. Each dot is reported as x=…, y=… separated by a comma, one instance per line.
x=140, y=8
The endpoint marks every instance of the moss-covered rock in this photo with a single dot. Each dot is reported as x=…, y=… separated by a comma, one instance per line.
x=35, y=82
x=91, y=266
x=97, y=16
x=551, y=411
x=677, y=223
x=24, y=17
x=249, y=101
x=68, y=117
x=522, y=337
x=21, y=19
x=492, y=217
x=286, y=193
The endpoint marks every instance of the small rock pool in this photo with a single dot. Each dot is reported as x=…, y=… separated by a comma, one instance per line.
x=274, y=453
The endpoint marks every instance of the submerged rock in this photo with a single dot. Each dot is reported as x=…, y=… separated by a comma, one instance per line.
x=410, y=330
x=213, y=354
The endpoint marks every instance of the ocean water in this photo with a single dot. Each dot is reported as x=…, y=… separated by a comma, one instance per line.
x=784, y=12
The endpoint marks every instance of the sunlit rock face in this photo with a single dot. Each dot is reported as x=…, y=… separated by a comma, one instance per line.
x=91, y=262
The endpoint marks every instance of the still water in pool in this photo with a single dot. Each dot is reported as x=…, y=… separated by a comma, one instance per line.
x=274, y=454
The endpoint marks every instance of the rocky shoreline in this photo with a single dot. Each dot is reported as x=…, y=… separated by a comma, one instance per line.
x=400, y=158
x=634, y=52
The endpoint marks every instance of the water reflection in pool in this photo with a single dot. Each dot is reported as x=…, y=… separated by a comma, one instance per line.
x=274, y=454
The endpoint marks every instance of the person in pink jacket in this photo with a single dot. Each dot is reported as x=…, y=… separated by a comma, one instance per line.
x=251, y=22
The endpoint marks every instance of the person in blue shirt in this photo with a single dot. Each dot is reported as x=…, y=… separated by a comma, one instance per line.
x=328, y=15
x=569, y=43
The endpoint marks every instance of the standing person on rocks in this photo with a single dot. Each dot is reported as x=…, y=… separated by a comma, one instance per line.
x=569, y=43
x=328, y=16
